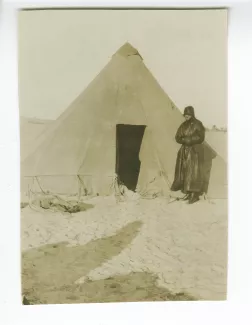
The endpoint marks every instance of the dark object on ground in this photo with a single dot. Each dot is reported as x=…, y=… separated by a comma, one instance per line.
x=23, y=205
x=61, y=205
x=26, y=301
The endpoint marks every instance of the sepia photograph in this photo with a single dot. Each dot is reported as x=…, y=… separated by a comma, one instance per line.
x=123, y=155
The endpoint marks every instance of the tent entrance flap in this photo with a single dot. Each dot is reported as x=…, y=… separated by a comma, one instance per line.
x=128, y=143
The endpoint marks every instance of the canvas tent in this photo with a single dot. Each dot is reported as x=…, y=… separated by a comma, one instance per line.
x=122, y=126
x=30, y=130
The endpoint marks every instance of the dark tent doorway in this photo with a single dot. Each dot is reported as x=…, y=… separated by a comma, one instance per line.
x=128, y=143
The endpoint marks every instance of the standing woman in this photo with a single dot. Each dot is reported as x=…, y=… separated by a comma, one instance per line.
x=190, y=158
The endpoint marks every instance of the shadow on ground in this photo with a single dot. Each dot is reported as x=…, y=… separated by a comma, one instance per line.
x=134, y=287
x=49, y=273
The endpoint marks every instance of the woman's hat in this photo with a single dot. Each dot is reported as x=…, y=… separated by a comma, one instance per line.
x=189, y=110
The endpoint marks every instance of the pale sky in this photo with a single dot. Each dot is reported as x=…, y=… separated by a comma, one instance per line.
x=61, y=51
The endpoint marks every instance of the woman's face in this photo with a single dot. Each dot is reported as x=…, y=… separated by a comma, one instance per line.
x=187, y=117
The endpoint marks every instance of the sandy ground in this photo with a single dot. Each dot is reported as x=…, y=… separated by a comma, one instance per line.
x=184, y=246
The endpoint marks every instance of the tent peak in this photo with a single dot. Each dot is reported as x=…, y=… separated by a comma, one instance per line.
x=127, y=50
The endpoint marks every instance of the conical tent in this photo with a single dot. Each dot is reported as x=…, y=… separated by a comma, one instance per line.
x=122, y=126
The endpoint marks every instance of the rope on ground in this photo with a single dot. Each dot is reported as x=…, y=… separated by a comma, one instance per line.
x=48, y=193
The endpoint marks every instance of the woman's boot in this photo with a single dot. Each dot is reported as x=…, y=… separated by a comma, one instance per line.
x=194, y=198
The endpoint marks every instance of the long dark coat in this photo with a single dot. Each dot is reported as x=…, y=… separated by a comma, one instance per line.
x=190, y=158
